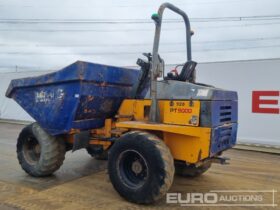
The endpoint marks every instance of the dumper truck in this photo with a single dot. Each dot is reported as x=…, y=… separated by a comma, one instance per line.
x=147, y=123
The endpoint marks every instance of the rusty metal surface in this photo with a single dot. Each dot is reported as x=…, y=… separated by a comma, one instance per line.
x=79, y=96
x=82, y=182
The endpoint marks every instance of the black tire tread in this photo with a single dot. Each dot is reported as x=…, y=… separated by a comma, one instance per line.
x=52, y=152
x=167, y=159
x=168, y=163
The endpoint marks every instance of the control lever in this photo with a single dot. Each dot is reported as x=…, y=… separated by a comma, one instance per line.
x=143, y=64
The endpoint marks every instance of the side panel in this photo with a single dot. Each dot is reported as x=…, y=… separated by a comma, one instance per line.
x=222, y=138
x=216, y=113
x=181, y=112
x=188, y=148
x=174, y=112
x=136, y=109
x=187, y=143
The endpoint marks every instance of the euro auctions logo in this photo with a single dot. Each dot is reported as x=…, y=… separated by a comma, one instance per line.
x=266, y=102
x=244, y=198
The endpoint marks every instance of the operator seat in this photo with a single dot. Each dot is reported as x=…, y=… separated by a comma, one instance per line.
x=186, y=73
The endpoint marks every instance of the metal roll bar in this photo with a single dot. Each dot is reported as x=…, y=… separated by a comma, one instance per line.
x=155, y=67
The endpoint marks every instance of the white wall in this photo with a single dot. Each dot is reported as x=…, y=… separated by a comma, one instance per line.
x=245, y=77
x=242, y=76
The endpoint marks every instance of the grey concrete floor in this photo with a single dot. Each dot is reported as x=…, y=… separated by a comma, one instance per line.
x=82, y=182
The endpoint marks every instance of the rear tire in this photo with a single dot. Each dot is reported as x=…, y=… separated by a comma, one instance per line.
x=39, y=153
x=191, y=170
x=141, y=167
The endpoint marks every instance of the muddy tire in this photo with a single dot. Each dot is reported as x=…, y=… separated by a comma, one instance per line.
x=101, y=156
x=191, y=171
x=141, y=167
x=39, y=154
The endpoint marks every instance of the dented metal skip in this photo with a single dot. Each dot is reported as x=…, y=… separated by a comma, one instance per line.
x=79, y=96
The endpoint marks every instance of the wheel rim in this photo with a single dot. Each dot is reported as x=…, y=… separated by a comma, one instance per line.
x=31, y=150
x=132, y=168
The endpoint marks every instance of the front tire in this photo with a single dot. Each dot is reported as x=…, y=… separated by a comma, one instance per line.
x=39, y=153
x=141, y=167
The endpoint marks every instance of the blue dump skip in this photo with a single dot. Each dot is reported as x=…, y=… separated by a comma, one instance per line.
x=79, y=96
